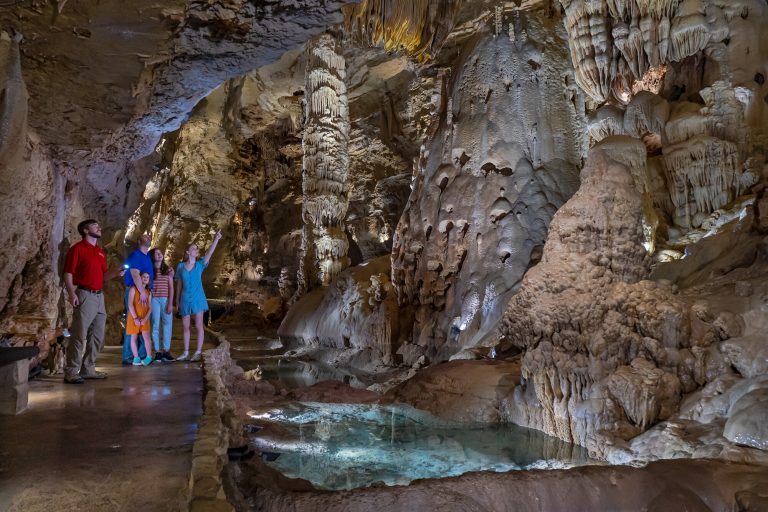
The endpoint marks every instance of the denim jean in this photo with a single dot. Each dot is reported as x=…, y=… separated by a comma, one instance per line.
x=127, y=354
x=158, y=315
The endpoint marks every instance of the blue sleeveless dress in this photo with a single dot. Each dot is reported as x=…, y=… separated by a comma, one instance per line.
x=192, y=298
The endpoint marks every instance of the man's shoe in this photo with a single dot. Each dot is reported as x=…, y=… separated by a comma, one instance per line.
x=94, y=376
x=168, y=357
x=73, y=380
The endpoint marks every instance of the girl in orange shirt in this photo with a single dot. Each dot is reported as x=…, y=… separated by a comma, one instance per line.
x=138, y=321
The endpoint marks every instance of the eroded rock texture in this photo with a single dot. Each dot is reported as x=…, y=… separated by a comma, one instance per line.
x=485, y=187
x=606, y=352
x=32, y=210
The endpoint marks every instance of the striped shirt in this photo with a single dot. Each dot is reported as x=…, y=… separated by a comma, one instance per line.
x=162, y=286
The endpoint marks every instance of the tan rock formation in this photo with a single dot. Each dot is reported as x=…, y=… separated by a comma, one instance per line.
x=679, y=485
x=486, y=185
x=356, y=314
x=606, y=353
x=324, y=244
x=32, y=208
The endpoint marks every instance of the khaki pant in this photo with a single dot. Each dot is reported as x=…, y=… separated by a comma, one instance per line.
x=87, y=334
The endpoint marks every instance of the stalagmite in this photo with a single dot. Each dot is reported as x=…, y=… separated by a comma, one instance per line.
x=603, y=347
x=606, y=121
x=326, y=162
x=632, y=153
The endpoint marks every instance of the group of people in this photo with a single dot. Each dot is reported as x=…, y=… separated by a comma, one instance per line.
x=152, y=291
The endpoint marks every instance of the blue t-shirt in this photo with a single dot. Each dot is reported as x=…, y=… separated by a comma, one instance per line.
x=192, y=299
x=141, y=262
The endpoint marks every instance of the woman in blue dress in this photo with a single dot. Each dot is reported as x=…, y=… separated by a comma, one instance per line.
x=190, y=298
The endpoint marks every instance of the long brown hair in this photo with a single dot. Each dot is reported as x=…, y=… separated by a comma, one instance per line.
x=164, y=268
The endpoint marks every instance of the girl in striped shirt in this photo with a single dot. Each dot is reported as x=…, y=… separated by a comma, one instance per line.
x=162, y=306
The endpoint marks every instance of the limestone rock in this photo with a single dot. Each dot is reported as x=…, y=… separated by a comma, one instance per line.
x=748, y=354
x=483, y=197
x=347, y=316
x=747, y=423
x=461, y=391
x=604, y=350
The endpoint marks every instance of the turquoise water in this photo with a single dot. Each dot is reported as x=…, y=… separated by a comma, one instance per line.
x=345, y=446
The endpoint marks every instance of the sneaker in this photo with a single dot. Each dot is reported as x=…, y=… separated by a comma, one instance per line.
x=197, y=357
x=73, y=380
x=136, y=361
x=94, y=375
x=168, y=357
x=158, y=357
x=146, y=361
x=183, y=357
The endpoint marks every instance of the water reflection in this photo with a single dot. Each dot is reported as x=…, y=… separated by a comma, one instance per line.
x=293, y=373
x=344, y=446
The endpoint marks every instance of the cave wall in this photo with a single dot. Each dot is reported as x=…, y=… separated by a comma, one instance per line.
x=504, y=159
x=687, y=78
x=32, y=203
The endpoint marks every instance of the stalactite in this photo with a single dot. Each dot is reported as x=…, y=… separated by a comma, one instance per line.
x=615, y=42
x=417, y=26
x=704, y=172
x=326, y=161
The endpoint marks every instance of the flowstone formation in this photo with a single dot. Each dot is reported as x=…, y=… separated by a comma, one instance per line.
x=487, y=183
x=606, y=353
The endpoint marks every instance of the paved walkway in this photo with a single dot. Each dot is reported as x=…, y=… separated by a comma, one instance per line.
x=119, y=444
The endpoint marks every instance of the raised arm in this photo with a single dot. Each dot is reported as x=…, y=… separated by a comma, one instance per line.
x=212, y=248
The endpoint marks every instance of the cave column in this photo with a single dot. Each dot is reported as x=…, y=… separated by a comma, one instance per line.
x=326, y=161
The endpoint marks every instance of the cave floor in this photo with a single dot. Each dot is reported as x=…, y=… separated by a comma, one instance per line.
x=124, y=443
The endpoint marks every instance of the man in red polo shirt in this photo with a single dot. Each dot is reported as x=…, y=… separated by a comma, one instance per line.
x=84, y=273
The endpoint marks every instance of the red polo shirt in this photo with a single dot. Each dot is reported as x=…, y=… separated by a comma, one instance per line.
x=87, y=263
